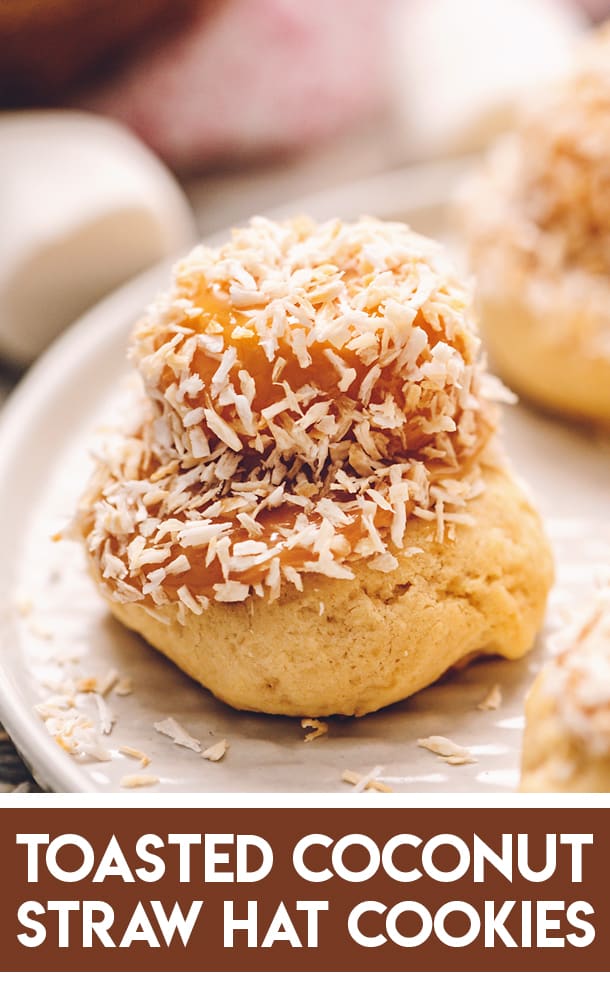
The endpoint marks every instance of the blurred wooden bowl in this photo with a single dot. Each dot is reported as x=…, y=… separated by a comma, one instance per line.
x=48, y=47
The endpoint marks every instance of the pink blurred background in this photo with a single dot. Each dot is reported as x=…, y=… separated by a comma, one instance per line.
x=228, y=108
x=209, y=82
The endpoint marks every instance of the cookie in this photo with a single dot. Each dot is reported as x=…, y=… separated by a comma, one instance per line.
x=312, y=515
x=537, y=225
x=566, y=746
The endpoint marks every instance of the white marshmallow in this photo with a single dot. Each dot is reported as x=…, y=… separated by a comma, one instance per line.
x=84, y=207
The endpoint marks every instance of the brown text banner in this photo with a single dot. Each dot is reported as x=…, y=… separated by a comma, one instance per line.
x=318, y=889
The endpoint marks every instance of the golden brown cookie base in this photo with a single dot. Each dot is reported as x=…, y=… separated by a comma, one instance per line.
x=547, y=358
x=351, y=647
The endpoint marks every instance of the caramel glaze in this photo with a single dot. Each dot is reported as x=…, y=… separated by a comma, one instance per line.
x=221, y=318
x=277, y=526
x=399, y=445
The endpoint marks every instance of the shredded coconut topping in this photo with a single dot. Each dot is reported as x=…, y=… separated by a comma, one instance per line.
x=579, y=678
x=307, y=389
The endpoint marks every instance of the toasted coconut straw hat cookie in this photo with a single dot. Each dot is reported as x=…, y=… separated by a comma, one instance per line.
x=537, y=222
x=566, y=746
x=310, y=518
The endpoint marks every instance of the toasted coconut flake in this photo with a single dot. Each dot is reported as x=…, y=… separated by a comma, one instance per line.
x=384, y=563
x=493, y=699
x=109, y=681
x=230, y=592
x=451, y=752
x=217, y=751
x=456, y=759
x=75, y=733
x=136, y=754
x=176, y=733
x=54, y=706
x=106, y=716
x=368, y=781
x=224, y=431
x=138, y=781
x=190, y=602
x=124, y=686
x=315, y=728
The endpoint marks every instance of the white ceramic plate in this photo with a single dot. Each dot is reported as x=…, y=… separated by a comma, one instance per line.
x=46, y=434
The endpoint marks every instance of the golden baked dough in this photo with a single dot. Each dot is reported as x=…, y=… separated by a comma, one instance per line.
x=352, y=647
x=537, y=224
x=310, y=517
x=546, y=357
x=566, y=745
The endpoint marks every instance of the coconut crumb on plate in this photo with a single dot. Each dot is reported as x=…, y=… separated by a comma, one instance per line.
x=106, y=716
x=456, y=759
x=76, y=734
x=138, y=781
x=108, y=682
x=217, y=751
x=124, y=687
x=315, y=728
x=181, y=737
x=136, y=755
x=368, y=782
x=448, y=750
x=493, y=699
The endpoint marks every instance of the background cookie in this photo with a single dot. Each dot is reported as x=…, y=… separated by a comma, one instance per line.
x=537, y=222
x=566, y=746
